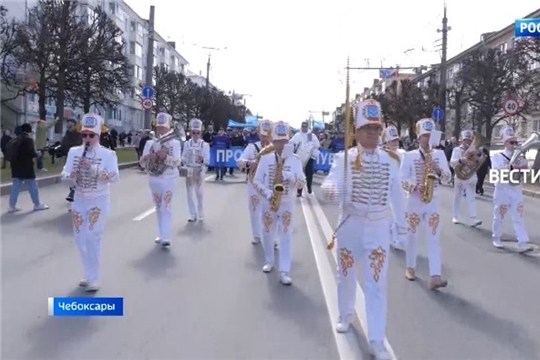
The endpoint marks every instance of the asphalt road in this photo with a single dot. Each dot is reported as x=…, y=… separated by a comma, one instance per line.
x=207, y=298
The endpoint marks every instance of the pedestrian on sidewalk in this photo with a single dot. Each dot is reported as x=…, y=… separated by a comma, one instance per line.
x=22, y=155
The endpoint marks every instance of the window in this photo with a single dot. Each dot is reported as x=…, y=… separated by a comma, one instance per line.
x=165, y=66
x=450, y=73
x=502, y=47
x=133, y=26
x=138, y=49
x=140, y=29
x=155, y=60
x=120, y=14
x=536, y=126
x=132, y=47
x=138, y=73
x=112, y=8
x=131, y=92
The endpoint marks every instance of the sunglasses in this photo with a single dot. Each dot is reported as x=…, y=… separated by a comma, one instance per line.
x=513, y=142
x=91, y=136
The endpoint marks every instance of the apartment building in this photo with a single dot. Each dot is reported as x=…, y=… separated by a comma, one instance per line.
x=129, y=114
x=503, y=40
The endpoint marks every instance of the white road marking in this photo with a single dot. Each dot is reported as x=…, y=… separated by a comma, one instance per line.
x=145, y=214
x=347, y=344
x=360, y=306
x=153, y=210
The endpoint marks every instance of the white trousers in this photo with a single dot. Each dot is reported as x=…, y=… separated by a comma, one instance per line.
x=362, y=242
x=278, y=224
x=469, y=187
x=421, y=216
x=88, y=216
x=255, y=210
x=195, y=184
x=509, y=200
x=162, y=193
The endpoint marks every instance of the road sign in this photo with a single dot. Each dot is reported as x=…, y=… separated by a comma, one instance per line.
x=511, y=106
x=437, y=114
x=147, y=92
x=147, y=103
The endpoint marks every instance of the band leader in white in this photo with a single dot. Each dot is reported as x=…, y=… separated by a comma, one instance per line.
x=464, y=161
x=92, y=168
x=195, y=159
x=508, y=197
x=161, y=158
x=390, y=140
x=278, y=175
x=421, y=171
x=249, y=160
x=369, y=190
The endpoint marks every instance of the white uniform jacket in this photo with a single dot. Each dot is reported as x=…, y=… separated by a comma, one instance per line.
x=373, y=192
x=172, y=160
x=196, y=154
x=92, y=183
x=249, y=153
x=307, y=138
x=412, y=170
x=293, y=175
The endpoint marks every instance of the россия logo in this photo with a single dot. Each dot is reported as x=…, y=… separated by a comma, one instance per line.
x=527, y=28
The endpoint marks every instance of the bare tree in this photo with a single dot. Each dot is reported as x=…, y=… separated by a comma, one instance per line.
x=8, y=47
x=38, y=48
x=457, y=98
x=103, y=72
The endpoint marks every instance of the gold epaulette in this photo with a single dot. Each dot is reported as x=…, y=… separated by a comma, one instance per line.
x=394, y=155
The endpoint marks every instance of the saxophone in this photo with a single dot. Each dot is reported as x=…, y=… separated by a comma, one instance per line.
x=264, y=151
x=279, y=188
x=429, y=177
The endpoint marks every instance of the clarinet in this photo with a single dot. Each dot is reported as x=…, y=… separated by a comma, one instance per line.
x=71, y=195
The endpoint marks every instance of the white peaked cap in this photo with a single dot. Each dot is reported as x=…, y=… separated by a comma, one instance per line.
x=424, y=126
x=281, y=131
x=467, y=134
x=390, y=134
x=368, y=112
x=164, y=120
x=507, y=133
x=196, y=124
x=92, y=122
x=265, y=127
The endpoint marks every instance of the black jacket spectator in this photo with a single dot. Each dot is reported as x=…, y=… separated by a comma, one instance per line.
x=22, y=164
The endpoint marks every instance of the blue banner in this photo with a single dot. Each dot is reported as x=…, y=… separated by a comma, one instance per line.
x=229, y=157
x=86, y=306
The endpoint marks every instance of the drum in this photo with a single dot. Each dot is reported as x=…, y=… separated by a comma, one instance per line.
x=304, y=152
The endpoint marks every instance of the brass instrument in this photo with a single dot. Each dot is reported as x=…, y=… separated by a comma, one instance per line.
x=429, y=177
x=155, y=166
x=279, y=188
x=264, y=151
x=532, y=142
x=349, y=133
x=475, y=155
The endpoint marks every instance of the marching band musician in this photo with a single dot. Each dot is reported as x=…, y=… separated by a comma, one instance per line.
x=508, y=197
x=390, y=139
x=249, y=160
x=278, y=174
x=93, y=168
x=369, y=190
x=165, y=154
x=195, y=158
x=459, y=156
x=420, y=172
x=306, y=138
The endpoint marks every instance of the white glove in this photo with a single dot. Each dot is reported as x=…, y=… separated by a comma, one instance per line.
x=268, y=194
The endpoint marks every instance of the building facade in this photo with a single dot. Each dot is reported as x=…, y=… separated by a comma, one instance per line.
x=503, y=40
x=129, y=114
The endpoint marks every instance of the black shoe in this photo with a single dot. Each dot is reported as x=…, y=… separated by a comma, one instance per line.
x=309, y=191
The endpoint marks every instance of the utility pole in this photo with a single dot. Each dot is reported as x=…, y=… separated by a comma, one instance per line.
x=208, y=72
x=443, y=69
x=150, y=64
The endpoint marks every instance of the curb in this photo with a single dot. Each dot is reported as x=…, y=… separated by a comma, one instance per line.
x=5, y=189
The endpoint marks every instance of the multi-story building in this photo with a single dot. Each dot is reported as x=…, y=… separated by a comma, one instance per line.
x=129, y=114
x=503, y=40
